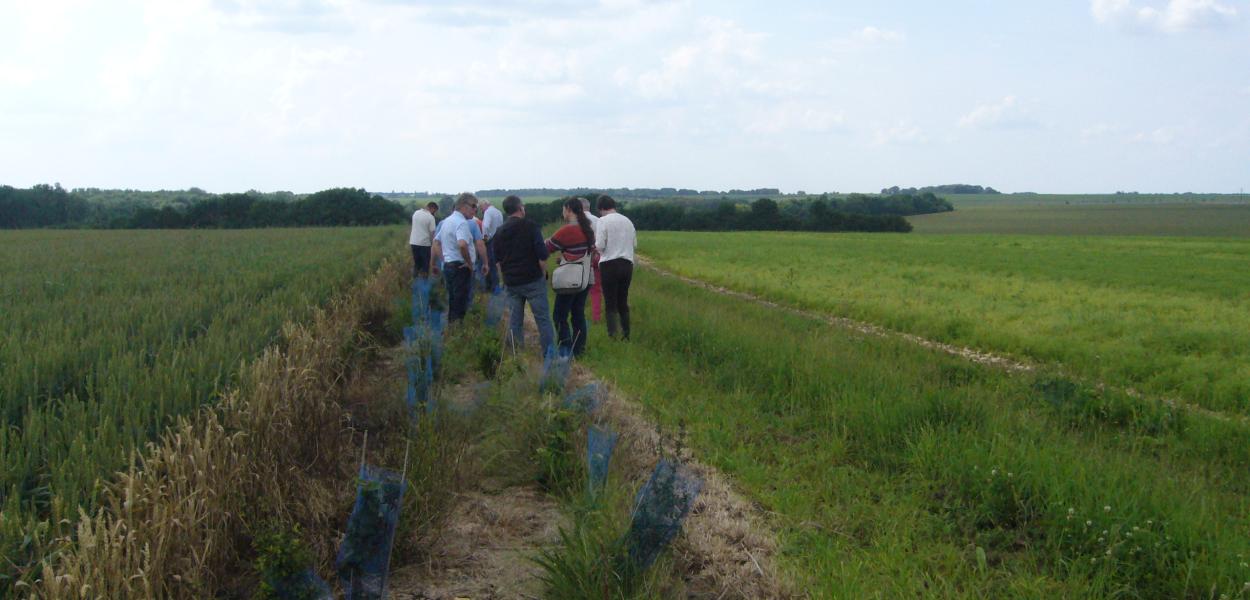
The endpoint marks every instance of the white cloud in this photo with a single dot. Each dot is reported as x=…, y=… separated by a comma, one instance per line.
x=719, y=58
x=1095, y=132
x=901, y=133
x=1007, y=113
x=1162, y=136
x=1173, y=17
x=795, y=117
x=873, y=35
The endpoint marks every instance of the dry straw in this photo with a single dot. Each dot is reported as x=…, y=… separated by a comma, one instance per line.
x=176, y=523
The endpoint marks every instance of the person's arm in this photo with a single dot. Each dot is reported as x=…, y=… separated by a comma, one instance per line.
x=554, y=243
x=464, y=237
x=481, y=251
x=436, y=251
x=601, y=242
x=540, y=249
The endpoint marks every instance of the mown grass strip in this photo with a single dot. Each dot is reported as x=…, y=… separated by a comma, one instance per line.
x=1168, y=317
x=897, y=471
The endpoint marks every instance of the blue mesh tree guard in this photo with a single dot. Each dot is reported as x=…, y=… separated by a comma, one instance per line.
x=555, y=375
x=420, y=378
x=659, y=510
x=495, y=307
x=586, y=398
x=438, y=323
x=305, y=585
x=599, y=445
x=364, y=556
x=419, y=363
x=421, y=287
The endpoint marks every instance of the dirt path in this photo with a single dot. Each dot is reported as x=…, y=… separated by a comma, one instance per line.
x=1009, y=364
x=487, y=548
x=726, y=549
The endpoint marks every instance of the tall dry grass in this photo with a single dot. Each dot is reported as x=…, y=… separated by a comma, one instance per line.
x=176, y=524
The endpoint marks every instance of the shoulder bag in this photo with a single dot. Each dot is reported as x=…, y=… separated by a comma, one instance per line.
x=573, y=276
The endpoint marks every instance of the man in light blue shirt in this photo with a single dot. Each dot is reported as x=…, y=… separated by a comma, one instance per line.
x=492, y=218
x=459, y=248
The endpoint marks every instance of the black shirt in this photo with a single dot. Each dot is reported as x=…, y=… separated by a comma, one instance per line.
x=518, y=247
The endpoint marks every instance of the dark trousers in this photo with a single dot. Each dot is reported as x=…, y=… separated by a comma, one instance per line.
x=458, y=290
x=617, y=274
x=571, y=307
x=420, y=260
x=492, y=276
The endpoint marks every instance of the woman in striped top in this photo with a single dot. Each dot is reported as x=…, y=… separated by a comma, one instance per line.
x=573, y=241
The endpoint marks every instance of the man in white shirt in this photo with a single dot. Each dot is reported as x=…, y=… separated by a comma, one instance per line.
x=492, y=218
x=615, y=239
x=421, y=237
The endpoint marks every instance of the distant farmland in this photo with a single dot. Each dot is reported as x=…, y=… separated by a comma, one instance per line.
x=1221, y=215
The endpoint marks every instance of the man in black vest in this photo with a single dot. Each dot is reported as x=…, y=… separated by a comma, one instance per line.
x=521, y=253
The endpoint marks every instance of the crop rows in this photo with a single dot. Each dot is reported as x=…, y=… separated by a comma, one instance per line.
x=106, y=337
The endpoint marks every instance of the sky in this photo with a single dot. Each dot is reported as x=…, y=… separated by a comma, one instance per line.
x=1060, y=96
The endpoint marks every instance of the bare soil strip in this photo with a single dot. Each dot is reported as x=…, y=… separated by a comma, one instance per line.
x=1009, y=364
x=487, y=548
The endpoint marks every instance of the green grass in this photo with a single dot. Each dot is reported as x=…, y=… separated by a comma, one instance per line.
x=1167, y=316
x=894, y=471
x=106, y=336
x=1087, y=218
x=975, y=200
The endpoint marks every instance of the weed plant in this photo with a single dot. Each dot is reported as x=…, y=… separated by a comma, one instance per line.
x=591, y=559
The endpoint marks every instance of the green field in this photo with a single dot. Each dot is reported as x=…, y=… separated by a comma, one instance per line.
x=1167, y=316
x=106, y=336
x=894, y=471
x=1088, y=218
x=975, y=200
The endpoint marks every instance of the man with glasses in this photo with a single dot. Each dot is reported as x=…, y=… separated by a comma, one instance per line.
x=459, y=249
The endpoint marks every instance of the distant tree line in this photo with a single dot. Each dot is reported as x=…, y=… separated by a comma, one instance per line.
x=627, y=193
x=53, y=206
x=856, y=212
x=953, y=188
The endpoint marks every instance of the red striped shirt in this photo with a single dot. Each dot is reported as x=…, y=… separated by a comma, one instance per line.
x=570, y=241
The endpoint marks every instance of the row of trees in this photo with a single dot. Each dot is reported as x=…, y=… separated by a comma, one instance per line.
x=763, y=214
x=333, y=207
x=857, y=212
x=628, y=193
x=39, y=206
x=950, y=188
x=53, y=206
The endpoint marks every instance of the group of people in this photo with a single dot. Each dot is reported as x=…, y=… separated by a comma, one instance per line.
x=597, y=252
